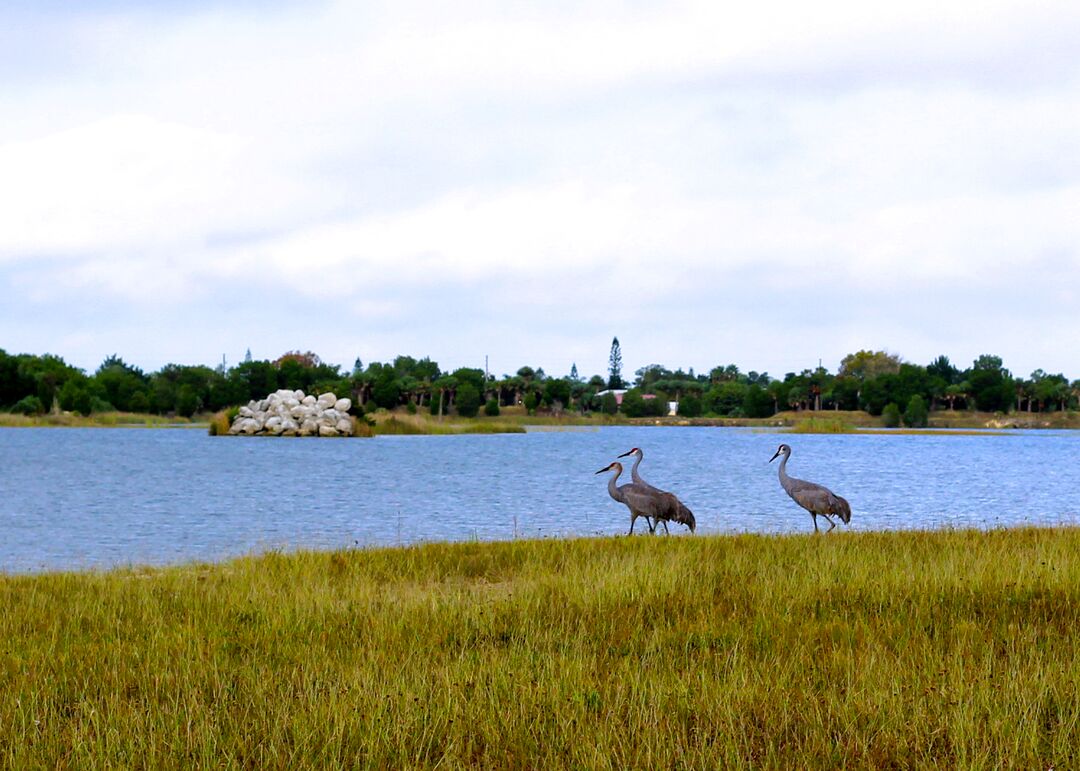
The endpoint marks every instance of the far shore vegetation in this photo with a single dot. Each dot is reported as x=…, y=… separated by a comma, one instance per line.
x=950, y=649
x=870, y=389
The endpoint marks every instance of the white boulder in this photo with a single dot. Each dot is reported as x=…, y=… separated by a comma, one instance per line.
x=292, y=413
x=327, y=400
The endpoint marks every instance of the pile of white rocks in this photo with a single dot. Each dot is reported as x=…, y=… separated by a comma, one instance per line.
x=291, y=413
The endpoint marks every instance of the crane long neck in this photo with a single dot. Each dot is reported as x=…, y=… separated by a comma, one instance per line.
x=633, y=469
x=612, y=488
x=785, y=480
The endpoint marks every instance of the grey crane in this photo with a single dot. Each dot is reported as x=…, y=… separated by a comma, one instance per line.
x=645, y=501
x=814, y=498
x=669, y=508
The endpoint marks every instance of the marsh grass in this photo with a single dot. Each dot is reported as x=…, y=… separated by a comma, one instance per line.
x=933, y=432
x=404, y=424
x=96, y=420
x=822, y=426
x=862, y=650
x=220, y=423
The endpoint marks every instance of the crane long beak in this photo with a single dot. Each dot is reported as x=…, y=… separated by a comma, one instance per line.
x=626, y=453
x=774, y=457
x=601, y=471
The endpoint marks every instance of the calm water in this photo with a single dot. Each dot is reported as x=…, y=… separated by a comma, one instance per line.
x=78, y=498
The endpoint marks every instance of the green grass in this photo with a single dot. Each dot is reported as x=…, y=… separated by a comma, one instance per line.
x=96, y=420
x=392, y=424
x=933, y=432
x=888, y=650
x=822, y=426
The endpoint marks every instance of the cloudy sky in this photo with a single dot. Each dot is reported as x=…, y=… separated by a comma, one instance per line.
x=766, y=183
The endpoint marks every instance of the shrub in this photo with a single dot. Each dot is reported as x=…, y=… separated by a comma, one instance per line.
x=609, y=405
x=531, y=400
x=29, y=405
x=411, y=408
x=915, y=416
x=97, y=404
x=491, y=409
x=891, y=415
x=633, y=405
x=139, y=402
x=690, y=406
x=657, y=407
x=467, y=400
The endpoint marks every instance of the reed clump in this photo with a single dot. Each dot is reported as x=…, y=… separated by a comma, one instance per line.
x=220, y=423
x=861, y=650
x=397, y=424
x=822, y=426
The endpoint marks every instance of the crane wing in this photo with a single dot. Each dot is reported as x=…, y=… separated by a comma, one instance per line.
x=640, y=499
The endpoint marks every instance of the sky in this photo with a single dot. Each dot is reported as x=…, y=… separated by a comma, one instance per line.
x=769, y=184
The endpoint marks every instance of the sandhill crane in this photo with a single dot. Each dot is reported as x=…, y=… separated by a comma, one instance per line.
x=668, y=508
x=648, y=502
x=638, y=456
x=812, y=497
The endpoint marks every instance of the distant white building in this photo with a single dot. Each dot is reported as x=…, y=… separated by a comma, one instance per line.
x=617, y=391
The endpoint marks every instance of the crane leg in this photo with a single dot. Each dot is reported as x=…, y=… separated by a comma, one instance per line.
x=666, y=531
x=814, y=517
x=831, y=523
x=633, y=519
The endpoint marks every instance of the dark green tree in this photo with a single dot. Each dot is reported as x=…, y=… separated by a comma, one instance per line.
x=690, y=406
x=757, y=403
x=556, y=392
x=120, y=382
x=890, y=415
x=916, y=415
x=187, y=401
x=991, y=384
x=467, y=400
x=615, y=365
x=633, y=404
x=386, y=391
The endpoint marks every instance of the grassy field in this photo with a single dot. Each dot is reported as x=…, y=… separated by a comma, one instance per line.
x=97, y=420
x=888, y=650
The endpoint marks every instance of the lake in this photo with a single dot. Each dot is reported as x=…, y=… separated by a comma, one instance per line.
x=94, y=498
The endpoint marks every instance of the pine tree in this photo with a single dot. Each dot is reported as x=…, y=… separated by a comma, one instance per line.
x=247, y=356
x=573, y=372
x=615, y=365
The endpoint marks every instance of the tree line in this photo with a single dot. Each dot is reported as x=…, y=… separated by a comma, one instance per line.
x=878, y=382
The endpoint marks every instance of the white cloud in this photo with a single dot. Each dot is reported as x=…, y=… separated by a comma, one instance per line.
x=594, y=163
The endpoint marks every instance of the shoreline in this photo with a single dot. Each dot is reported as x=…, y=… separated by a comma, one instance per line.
x=514, y=420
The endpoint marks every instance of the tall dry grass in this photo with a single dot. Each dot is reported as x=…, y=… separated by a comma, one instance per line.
x=892, y=650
